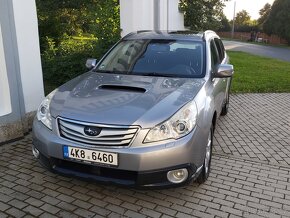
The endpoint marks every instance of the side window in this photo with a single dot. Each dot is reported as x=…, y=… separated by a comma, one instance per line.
x=214, y=55
x=220, y=48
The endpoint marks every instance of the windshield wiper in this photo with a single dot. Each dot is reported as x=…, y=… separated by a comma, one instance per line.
x=103, y=71
x=109, y=71
x=157, y=74
x=137, y=74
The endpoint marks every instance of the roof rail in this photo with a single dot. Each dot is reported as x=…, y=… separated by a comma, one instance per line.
x=129, y=34
x=136, y=32
x=144, y=31
x=208, y=32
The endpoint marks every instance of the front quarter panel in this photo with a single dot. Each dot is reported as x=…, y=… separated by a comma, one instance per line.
x=206, y=108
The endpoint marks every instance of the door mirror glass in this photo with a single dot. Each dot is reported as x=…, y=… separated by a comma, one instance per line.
x=223, y=71
x=91, y=63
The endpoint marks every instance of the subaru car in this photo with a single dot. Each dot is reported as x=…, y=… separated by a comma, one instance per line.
x=144, y=115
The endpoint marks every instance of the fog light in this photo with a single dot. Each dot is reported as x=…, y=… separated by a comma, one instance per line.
x=35, y=152
x=177, y=176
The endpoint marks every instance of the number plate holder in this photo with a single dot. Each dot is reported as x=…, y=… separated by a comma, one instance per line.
x=91, y=156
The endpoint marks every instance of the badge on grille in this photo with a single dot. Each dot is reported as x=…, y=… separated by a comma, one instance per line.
x=92, y=130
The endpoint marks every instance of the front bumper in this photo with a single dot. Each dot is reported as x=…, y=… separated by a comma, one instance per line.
x=145, y=179
x=141, y=166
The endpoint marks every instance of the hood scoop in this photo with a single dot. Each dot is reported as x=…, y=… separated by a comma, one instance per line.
x=122, y=88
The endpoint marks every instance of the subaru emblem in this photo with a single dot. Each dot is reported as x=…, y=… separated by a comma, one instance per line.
x=92, y=130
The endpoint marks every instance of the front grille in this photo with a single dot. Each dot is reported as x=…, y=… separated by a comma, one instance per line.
x=109, y=135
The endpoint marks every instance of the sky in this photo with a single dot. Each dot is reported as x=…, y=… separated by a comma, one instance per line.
x=251, y=6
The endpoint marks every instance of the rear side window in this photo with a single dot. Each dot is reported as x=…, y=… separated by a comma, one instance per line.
x=215, y=60
x=220, y=48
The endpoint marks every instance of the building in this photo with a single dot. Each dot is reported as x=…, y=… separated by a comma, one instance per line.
x=150, y=15
x=21, y=82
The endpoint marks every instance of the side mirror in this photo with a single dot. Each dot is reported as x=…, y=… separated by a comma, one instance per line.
x=91, y=63
x=223, y=71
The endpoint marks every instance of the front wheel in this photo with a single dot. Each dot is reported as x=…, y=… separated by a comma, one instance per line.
x=225, y=107
x=207, y=160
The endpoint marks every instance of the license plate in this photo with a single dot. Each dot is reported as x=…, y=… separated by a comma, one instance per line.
x=90, y=155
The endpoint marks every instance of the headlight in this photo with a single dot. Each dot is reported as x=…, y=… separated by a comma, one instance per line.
x=179, y=125
x=43, y=112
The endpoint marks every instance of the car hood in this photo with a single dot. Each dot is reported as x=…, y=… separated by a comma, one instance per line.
x=123, y=99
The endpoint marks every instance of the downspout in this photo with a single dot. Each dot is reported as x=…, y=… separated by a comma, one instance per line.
x=167, y=15
x=156, y=14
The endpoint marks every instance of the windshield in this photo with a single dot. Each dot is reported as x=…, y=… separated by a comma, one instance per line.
x=156, y=58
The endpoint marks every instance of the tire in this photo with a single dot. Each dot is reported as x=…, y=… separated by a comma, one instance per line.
x=225, y=107
x=207, y=160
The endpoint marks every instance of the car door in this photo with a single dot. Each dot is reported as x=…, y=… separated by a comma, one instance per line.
x=219, y=84
x=224, y=60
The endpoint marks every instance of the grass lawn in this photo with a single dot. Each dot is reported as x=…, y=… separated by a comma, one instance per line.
x=258, y=74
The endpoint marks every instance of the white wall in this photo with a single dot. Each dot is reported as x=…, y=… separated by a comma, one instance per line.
x=139, y=15
x=163, y=14
x=5, y=100
x=175, y=18
x=29, y=52
x=136, y=15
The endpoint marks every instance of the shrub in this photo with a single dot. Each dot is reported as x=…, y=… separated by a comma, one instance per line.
x=61, y=64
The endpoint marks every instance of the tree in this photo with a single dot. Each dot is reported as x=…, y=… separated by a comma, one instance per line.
x=225, y=24
x=278, y=21
x=72, y=31
x=243, y=22
x=242, y=18
x=58, y=18
x=264, y=13
x=202, y=14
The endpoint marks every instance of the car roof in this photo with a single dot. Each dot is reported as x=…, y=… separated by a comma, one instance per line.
x=163, y=35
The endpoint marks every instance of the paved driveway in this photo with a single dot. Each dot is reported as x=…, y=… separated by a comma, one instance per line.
x=267, y=51
x=250, y=175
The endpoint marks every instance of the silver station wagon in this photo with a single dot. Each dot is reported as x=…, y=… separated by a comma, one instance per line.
x=143, y=116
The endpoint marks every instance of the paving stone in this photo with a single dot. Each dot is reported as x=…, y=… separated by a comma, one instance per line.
x=14, y=212
x=5, y=198
x=65, y=198
x=49, y=208
x=98, y=202
x=133, y=214
x=50, y=200
x=150, y=213
x=83, y=213
x=18, y=204
x=33, y=210
x=66, y=206
x=65, y=214
x=3, y=215
x=82, y=204
x=146, y=204
x=47, y=215
x=130, y=206
x=217, y=212
x=3, y=206
x=166, y=210
x=100, y=210
x=34, y=202
x=116, y=209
